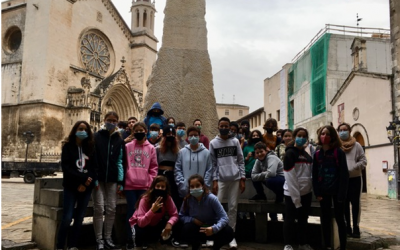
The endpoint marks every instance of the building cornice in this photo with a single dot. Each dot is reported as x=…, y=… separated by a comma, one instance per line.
x=22, y=5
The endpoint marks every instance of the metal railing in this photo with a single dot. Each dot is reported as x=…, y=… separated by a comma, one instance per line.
x=344, y=30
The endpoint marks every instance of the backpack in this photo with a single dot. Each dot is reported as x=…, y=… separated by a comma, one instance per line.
x=327, y=175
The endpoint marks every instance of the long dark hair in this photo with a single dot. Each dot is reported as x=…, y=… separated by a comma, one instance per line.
x=250, y=140
x=149, y=195
x=164, y=143
x=88, y=143
x=201, y=180
x=294, y=134
x=335, y=141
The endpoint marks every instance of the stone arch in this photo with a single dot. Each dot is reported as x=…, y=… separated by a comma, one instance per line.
x=119, y=98
x=359, y=130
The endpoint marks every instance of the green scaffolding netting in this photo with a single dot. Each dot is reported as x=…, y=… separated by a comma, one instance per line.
x=310, y=68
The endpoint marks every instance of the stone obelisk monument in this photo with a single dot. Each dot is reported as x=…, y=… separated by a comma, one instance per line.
x=181, y=80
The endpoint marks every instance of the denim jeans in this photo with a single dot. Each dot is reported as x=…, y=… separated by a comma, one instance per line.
x=132, y=196
x=70, y=198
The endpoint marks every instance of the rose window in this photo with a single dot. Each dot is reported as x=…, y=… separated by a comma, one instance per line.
x=95, y=53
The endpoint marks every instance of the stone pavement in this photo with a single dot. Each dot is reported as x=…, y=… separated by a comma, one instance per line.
x=380, y=220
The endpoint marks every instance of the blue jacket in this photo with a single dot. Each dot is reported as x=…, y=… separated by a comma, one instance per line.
x=209, y=211
x=146, y=120
x=191, y=162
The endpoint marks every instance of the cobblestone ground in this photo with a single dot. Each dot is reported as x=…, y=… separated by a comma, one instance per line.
x=380, y=216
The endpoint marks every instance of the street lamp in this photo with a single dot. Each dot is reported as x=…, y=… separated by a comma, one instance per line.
x=28, y=140
x=393, y=134
x=393, y=131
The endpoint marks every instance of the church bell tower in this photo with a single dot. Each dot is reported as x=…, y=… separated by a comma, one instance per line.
x=143, y=12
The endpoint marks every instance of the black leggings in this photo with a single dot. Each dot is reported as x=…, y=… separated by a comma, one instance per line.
x=148, y=234
x=326, y=219
x=301, y=214
x=353, y=197
x=191, y=234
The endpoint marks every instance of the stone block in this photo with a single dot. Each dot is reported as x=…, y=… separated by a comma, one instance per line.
x=54, y=213
x=18, y=246
x=40, y=183
x=44, y=232
x=51, y=197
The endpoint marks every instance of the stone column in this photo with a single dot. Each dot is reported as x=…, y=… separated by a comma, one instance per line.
x=181, y=79
x=395, y=44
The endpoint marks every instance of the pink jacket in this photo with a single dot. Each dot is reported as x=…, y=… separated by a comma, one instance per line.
x=143, y=216
x=141, y=165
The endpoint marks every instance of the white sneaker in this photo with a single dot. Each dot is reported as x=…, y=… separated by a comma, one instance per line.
x=288, y=247
x=210, y=243
x=305, y=247
x=233, y=244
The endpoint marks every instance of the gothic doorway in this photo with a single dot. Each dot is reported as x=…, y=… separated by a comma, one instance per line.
x=121, y=100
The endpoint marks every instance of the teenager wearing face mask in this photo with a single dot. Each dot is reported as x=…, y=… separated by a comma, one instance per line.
x=203, y=216
x=280, y=150
x=270, y=139
x=194, y=158
x=228, y=167
x=140, y=170
x=180, y=133
x=109, y=151
x=297, y=168
x=171, y=121
x=248, y=151
x=330, y=181
x=155, y=115
x=167, y=154
x=149, y=222
x=203, y=139
x=154, y=136
x=356, y=162
x=244, y=130
x=78, y=165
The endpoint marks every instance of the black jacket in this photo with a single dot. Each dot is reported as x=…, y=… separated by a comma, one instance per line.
x=330, y=173
x=73, y=174
x=109, y=152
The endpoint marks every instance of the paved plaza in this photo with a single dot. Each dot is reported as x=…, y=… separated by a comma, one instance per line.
x=380, y=217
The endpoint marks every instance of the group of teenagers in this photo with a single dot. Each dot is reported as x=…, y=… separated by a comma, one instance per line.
x=174, y=180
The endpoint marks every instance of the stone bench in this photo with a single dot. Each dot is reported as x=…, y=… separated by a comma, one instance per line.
x=48, y=211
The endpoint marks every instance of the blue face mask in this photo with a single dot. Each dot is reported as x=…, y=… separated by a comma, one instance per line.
x=194, y=140
x=110, y=126
x=153, y=134
x=180, y=132
x=344, y=135
x=171, y=124
x=239, y=136
x=300, y=141
x=81, y=134
x=196, y=192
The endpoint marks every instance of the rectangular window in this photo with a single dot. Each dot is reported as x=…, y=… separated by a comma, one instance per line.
x=226, y=111
x=278, y=115
x=240, y=112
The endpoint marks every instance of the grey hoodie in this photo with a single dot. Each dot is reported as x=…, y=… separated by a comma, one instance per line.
x=227, y=159
x=191, y=162
x=270, y=166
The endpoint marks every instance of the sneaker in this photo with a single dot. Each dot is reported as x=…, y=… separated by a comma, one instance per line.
x=99, y=245
x=73, y=248
x=305, y=247
x=233, y=244
x=109, y=244
x=176, y=243
x=144, y=246
x=258, y=197
x=209, y=243
x=288, y=247
x=356, y=232
x=130, y=246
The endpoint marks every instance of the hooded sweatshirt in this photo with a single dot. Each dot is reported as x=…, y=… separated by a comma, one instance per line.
x=143, y=216
x=269, y=167
x=227, y=159
x=192, y=162
x=298, y=172
x=159, y=119
x=208, y=210
x=141, y=165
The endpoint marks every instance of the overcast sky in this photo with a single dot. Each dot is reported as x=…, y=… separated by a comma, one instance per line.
x=249, y=41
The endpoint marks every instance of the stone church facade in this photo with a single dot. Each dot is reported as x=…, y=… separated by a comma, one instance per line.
x=70, y=60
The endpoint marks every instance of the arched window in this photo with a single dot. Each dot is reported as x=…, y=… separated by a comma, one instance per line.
x=137, y=18
x=145, y=18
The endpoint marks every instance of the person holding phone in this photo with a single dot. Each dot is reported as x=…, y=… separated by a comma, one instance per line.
x=203, y=216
